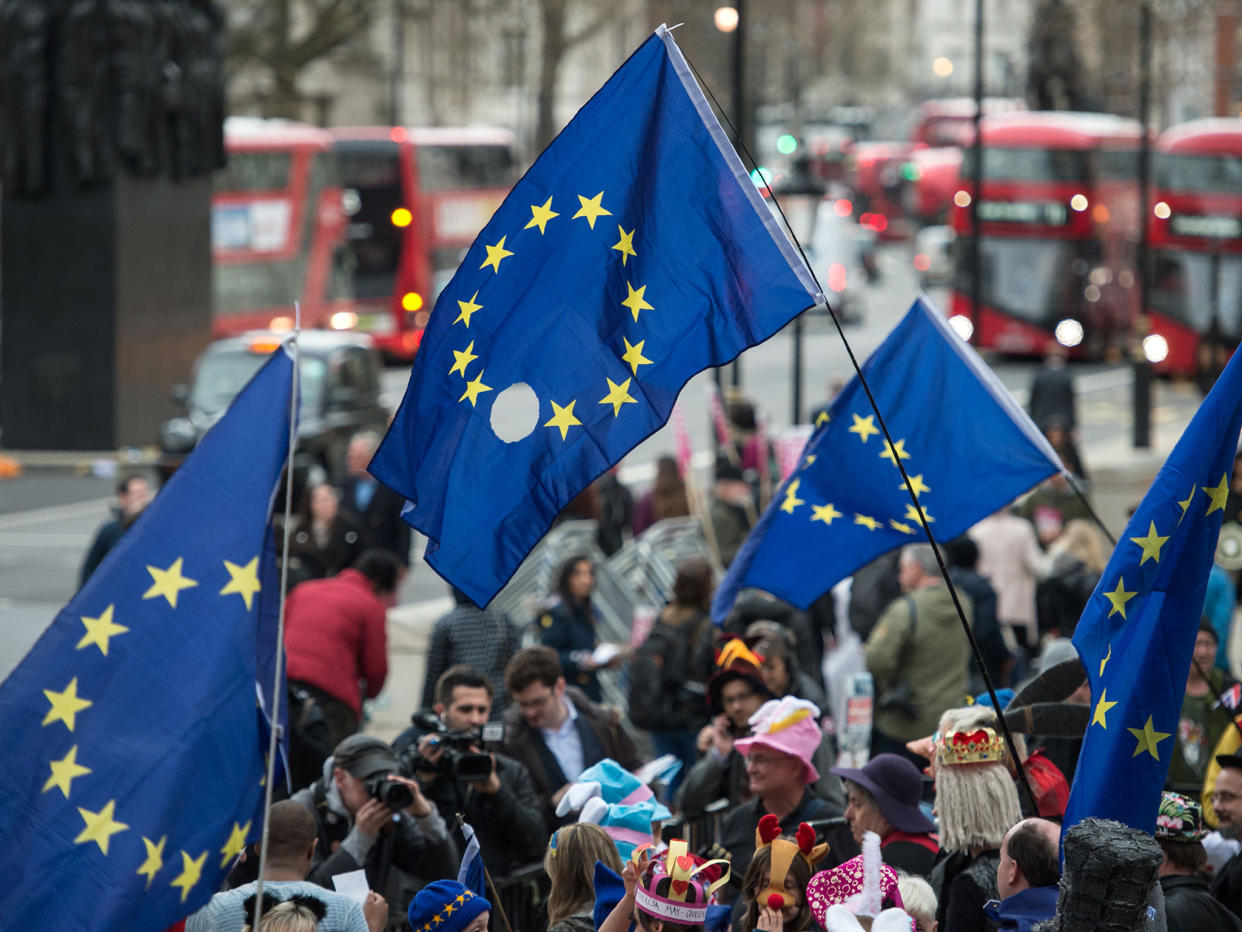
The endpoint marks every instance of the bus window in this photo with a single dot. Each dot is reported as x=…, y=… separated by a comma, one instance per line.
x=371, y=173
x=1199, y=172
x=455, y=167
x=255, y=171
x=1022, y=164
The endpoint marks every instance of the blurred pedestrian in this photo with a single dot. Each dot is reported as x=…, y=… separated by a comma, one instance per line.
x=1052, y=396
x=665, y=499
x=962, y=556
x=731, y=510
x=1072, y=567
x=568, y=627
x=481, y=638
x=1204, y=718
x=1188, y=904
x=1027, y=876
x=616, y=512
x=1011, y=560
x=325, y=539
x=372, y=505
x=133, y=494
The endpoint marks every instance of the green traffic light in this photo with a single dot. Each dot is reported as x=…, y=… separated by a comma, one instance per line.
x=910, y=171
x=786, y=144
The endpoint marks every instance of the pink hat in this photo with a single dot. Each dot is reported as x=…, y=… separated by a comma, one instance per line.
x=841, y=884
x=788, y=726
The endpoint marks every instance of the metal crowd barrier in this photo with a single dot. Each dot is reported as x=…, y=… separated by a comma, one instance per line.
x=523, y=895
x=702, y=829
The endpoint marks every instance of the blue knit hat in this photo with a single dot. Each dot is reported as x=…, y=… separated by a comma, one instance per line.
x=445, y=906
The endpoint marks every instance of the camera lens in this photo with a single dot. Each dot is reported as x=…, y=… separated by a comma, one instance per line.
x=392, y=794
x=471, y=767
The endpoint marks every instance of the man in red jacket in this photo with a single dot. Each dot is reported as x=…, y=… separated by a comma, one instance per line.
x=336, y=641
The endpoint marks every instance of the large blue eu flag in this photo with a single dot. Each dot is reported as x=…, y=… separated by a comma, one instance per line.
x=633, y=254
x=966, y=445
x=134, y=733
x=1137, y=633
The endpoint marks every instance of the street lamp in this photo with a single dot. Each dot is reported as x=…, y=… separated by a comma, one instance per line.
x=731, y=20
x=800, y=195
x=726, y=18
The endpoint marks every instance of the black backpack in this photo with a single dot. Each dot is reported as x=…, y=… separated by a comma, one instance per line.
x=667, y=690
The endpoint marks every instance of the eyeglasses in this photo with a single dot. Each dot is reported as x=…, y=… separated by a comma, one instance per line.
x=762, y=760
x=1224, y=797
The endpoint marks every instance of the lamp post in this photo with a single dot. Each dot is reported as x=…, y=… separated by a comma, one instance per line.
x=800, y=195
x=732, y=20
x=1142, y=367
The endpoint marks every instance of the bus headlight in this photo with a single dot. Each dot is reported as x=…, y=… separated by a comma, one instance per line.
x=1155, y=347
x=962, y=326
x=343, y=320
x=1068, y=332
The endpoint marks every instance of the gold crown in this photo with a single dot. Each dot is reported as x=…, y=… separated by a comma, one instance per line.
x=981, y=746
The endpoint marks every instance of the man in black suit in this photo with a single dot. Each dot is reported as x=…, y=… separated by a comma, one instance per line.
x=377, y=507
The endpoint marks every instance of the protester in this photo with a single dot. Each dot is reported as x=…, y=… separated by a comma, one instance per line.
x=861, y=888
x=1051, y=506
x=1188, y=906
x=977, y=804
x=569, y=628
x=962, y=556
x=336, y=636
x=1218, y=606
x=753, y=606
x=291, y=916
x=731, y=510
x=917, y=654
x=1203, y=717
x=555, y=731
x=373, y=506
x=784, y=737
x=1027, y=876
x=570, y=866
x=616, y=512
x=448, y=906
x=291, y=844
x=1072, y=567
x=919, y=901
x=665, y=499
x=1227, y=802
x=668, y=676
x=774, y=885
x=325, y=538
x=368, y=816
x=484, y=639
x=502, y=807
x=133, y=494
x=665, y=895
x=884, y=798
x=780, y=668
x=1010, y=559
x=1052, y=396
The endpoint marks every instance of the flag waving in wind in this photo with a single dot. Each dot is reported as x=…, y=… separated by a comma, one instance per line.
x=633, y=254
x=135, y=744
x=966, y=445
x=1137, y=633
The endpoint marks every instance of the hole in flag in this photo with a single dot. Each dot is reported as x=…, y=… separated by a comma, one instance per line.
x=515, y=412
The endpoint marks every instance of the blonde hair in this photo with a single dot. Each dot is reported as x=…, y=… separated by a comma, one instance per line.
x=571, y=868
x=1081, y=539
x=918, y=899
x=977, y=803
x=287, y=917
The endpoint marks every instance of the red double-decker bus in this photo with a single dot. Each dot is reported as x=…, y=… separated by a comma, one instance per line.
x=416, y=199
x=1195, y=293
x=276, y=229
x=1059, y=227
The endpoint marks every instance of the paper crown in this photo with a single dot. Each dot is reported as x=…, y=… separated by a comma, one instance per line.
x=736, y=650
x=687, y=898
x=768, y=835
x=981, y=746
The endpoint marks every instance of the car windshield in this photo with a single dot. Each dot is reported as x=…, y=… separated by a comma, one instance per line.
x=221, y=375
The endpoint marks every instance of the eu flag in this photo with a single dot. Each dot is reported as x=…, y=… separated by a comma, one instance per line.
x=1137, y=633
x=135, y=743
x=633, y=254
x=966, y=445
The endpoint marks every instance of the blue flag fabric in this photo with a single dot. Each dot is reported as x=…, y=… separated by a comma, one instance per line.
x=967, y=446
x=633, y=254
x=470, y=873
x=135, y=745
x=1137, y=633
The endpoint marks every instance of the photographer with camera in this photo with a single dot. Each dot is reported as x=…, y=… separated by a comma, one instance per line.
x=367, y=815
x=446, y=749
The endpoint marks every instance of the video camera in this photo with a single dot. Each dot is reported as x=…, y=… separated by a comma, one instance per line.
x=459, y=757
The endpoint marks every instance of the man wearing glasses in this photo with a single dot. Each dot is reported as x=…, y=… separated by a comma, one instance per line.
x=1227, y=801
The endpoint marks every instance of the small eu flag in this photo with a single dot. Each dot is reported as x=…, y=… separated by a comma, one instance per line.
x=966, y=445
x=1137, y=633
x=135, y=738
x=634, y=253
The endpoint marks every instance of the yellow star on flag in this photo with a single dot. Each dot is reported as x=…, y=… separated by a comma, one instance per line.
x=100, y=826
x=626, y=244
x=617, y=396
x=917, y=484
x=563, y=418
x=892, y=451
x=913, y=516
x=539, y=216
x=1119, y=597
x=65, y=771
x=168, y=583
x=810, y=458
x=474, y=389
x=155, y=858
x=870, y=524
x=592, y=209
x=191, y=871
x=243, y=581
x=463, y=359
x=1148, y=739
x=864, y=427
x=822, y=418
x=98, y=630
x=634, y=355
x=635, y=301
x=898, y=526
x=826, y=513
x=1101, y=710
x=468, y=308
x=1185, y=503
x=1218, y=494
x=1107, y=658
x=791, y=498
x=1151, y=544
x=237, y=841
x=495, y=254
x=65, y=705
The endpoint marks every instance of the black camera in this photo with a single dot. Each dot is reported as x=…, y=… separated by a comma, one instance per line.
x=459, y=756
x=396, y=796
